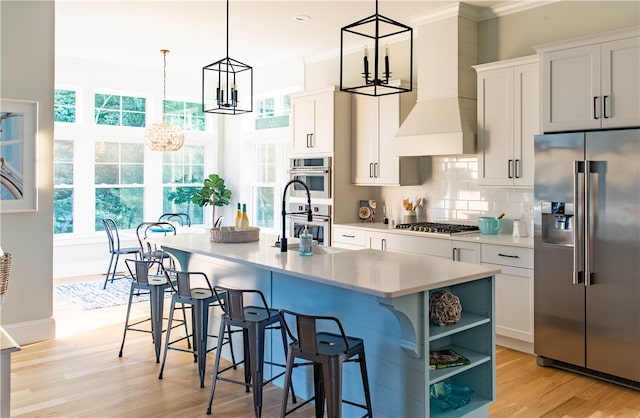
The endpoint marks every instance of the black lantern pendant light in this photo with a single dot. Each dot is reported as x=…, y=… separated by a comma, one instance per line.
x=376, y=33
x=227, y=85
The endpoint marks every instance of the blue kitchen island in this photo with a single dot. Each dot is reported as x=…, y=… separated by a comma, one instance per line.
x=379, y=296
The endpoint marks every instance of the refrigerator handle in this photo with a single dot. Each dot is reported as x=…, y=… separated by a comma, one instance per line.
x=587, y=223
x=577, y=227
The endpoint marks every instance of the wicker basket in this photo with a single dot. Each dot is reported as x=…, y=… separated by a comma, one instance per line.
x=5, y=270
x=228, y=234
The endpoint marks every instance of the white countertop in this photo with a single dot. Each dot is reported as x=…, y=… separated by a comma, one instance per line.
x=380, y=273
x=499, y=239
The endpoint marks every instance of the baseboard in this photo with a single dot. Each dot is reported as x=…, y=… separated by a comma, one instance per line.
x=29, y=332
x=514, y=344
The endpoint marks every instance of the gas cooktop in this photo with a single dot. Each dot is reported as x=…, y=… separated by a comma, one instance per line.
x=439, y=228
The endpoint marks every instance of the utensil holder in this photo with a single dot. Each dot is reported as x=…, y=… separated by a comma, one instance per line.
x=409, y=216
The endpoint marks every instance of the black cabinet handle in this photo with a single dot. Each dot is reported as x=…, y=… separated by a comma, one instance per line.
x=348, y=236
x=517, y=168
x=510, y=169
x=370, y=170
x=595, y=107
x=508, y=256
x=604, y=107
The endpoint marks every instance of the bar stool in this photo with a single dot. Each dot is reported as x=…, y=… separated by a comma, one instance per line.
x=155, y=286
x=193, y=289
x=254, y=321
x=326, y=352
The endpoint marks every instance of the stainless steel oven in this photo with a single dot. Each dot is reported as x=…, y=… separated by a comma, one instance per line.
x=315, y=172
x=319, y=227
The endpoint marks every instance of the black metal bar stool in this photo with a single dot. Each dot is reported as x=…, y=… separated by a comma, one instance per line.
x=193, y=289
x=254, y=321
x=155, y=285
x=326, y=352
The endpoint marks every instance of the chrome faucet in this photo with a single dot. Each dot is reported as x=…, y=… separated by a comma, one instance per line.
x=283, y=239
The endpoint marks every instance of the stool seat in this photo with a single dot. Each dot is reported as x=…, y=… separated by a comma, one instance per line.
x=326, y=352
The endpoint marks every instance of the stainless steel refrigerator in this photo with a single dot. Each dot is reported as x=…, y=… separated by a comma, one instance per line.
x=587, y=253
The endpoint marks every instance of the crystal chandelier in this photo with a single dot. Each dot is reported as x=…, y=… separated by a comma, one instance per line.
x=227, y=85
x=374, y=79
x=164, y=136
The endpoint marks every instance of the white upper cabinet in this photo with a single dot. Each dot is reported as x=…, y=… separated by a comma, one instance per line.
x=375, y=121
x=314, y=120
x=508, y=118
x=591, y=83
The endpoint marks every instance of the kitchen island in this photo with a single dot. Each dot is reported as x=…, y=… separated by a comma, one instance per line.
x=381, y=297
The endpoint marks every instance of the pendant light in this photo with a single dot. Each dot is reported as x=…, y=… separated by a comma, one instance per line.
x=378, y=35
x=227, y=85
x=164, y=136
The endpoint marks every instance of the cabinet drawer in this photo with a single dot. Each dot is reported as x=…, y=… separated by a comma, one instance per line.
x=507, y=256
x=350, y=236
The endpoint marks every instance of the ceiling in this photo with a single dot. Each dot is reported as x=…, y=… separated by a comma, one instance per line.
x=261, y=32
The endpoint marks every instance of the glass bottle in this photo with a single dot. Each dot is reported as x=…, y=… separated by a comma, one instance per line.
x=244, y=224
x=238, y=224
x=306, y=242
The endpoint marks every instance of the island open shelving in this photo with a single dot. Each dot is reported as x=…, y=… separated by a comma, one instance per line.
x=472, y=337
x=380, y=297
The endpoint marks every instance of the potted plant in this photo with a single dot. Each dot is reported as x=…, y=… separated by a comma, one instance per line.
x=213, y=193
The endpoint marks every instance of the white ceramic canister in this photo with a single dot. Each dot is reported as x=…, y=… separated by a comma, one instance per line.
x=520, y=228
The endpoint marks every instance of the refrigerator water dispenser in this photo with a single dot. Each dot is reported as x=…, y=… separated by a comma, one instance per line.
x=557, y=222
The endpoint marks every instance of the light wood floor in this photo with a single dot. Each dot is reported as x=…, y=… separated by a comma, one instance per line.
x=80, y=375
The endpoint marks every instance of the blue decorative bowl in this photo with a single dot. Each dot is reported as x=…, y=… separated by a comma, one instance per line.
x=448, y=396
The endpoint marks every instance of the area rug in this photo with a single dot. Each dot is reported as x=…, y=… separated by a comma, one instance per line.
x=91, y=295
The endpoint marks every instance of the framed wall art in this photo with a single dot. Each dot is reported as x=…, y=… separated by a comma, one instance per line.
x=18, y=153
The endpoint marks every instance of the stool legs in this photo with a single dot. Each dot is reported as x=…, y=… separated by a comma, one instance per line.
x=332, y=390
x=256, y=356
x=365, y=383
x=126, y=321
x=201, y=316
x=216, y=367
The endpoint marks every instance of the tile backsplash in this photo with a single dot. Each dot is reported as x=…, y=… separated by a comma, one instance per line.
x=451, y=193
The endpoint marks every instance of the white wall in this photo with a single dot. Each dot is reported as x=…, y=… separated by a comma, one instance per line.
x=26, y=73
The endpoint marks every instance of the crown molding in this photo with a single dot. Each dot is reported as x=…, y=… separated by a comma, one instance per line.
x=479, y=14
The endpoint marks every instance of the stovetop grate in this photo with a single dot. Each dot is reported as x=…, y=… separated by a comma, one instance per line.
x=439, y=228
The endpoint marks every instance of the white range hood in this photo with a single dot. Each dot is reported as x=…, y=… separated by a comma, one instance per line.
x=443, y=121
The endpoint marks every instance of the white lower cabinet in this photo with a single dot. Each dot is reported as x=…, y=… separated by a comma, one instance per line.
x=376, y=240
x=467, y=252
x=419, y=245
x=349, y=238
x=514, y=295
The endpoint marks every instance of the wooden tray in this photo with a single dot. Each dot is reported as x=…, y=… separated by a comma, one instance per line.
x=228, y=234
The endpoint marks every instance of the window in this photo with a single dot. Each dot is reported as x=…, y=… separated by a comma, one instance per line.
x=118, y=110
x=182, y=175
x=64, y=106
x=119, y=179
x=188, y=116
x=62, y=186
x=264, y=188
x=273, y=112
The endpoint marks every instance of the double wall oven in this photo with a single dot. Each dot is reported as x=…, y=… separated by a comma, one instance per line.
x=319, y=227
x=315, y=172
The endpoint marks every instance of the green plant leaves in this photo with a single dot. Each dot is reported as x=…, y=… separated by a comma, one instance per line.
x=213, y=192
